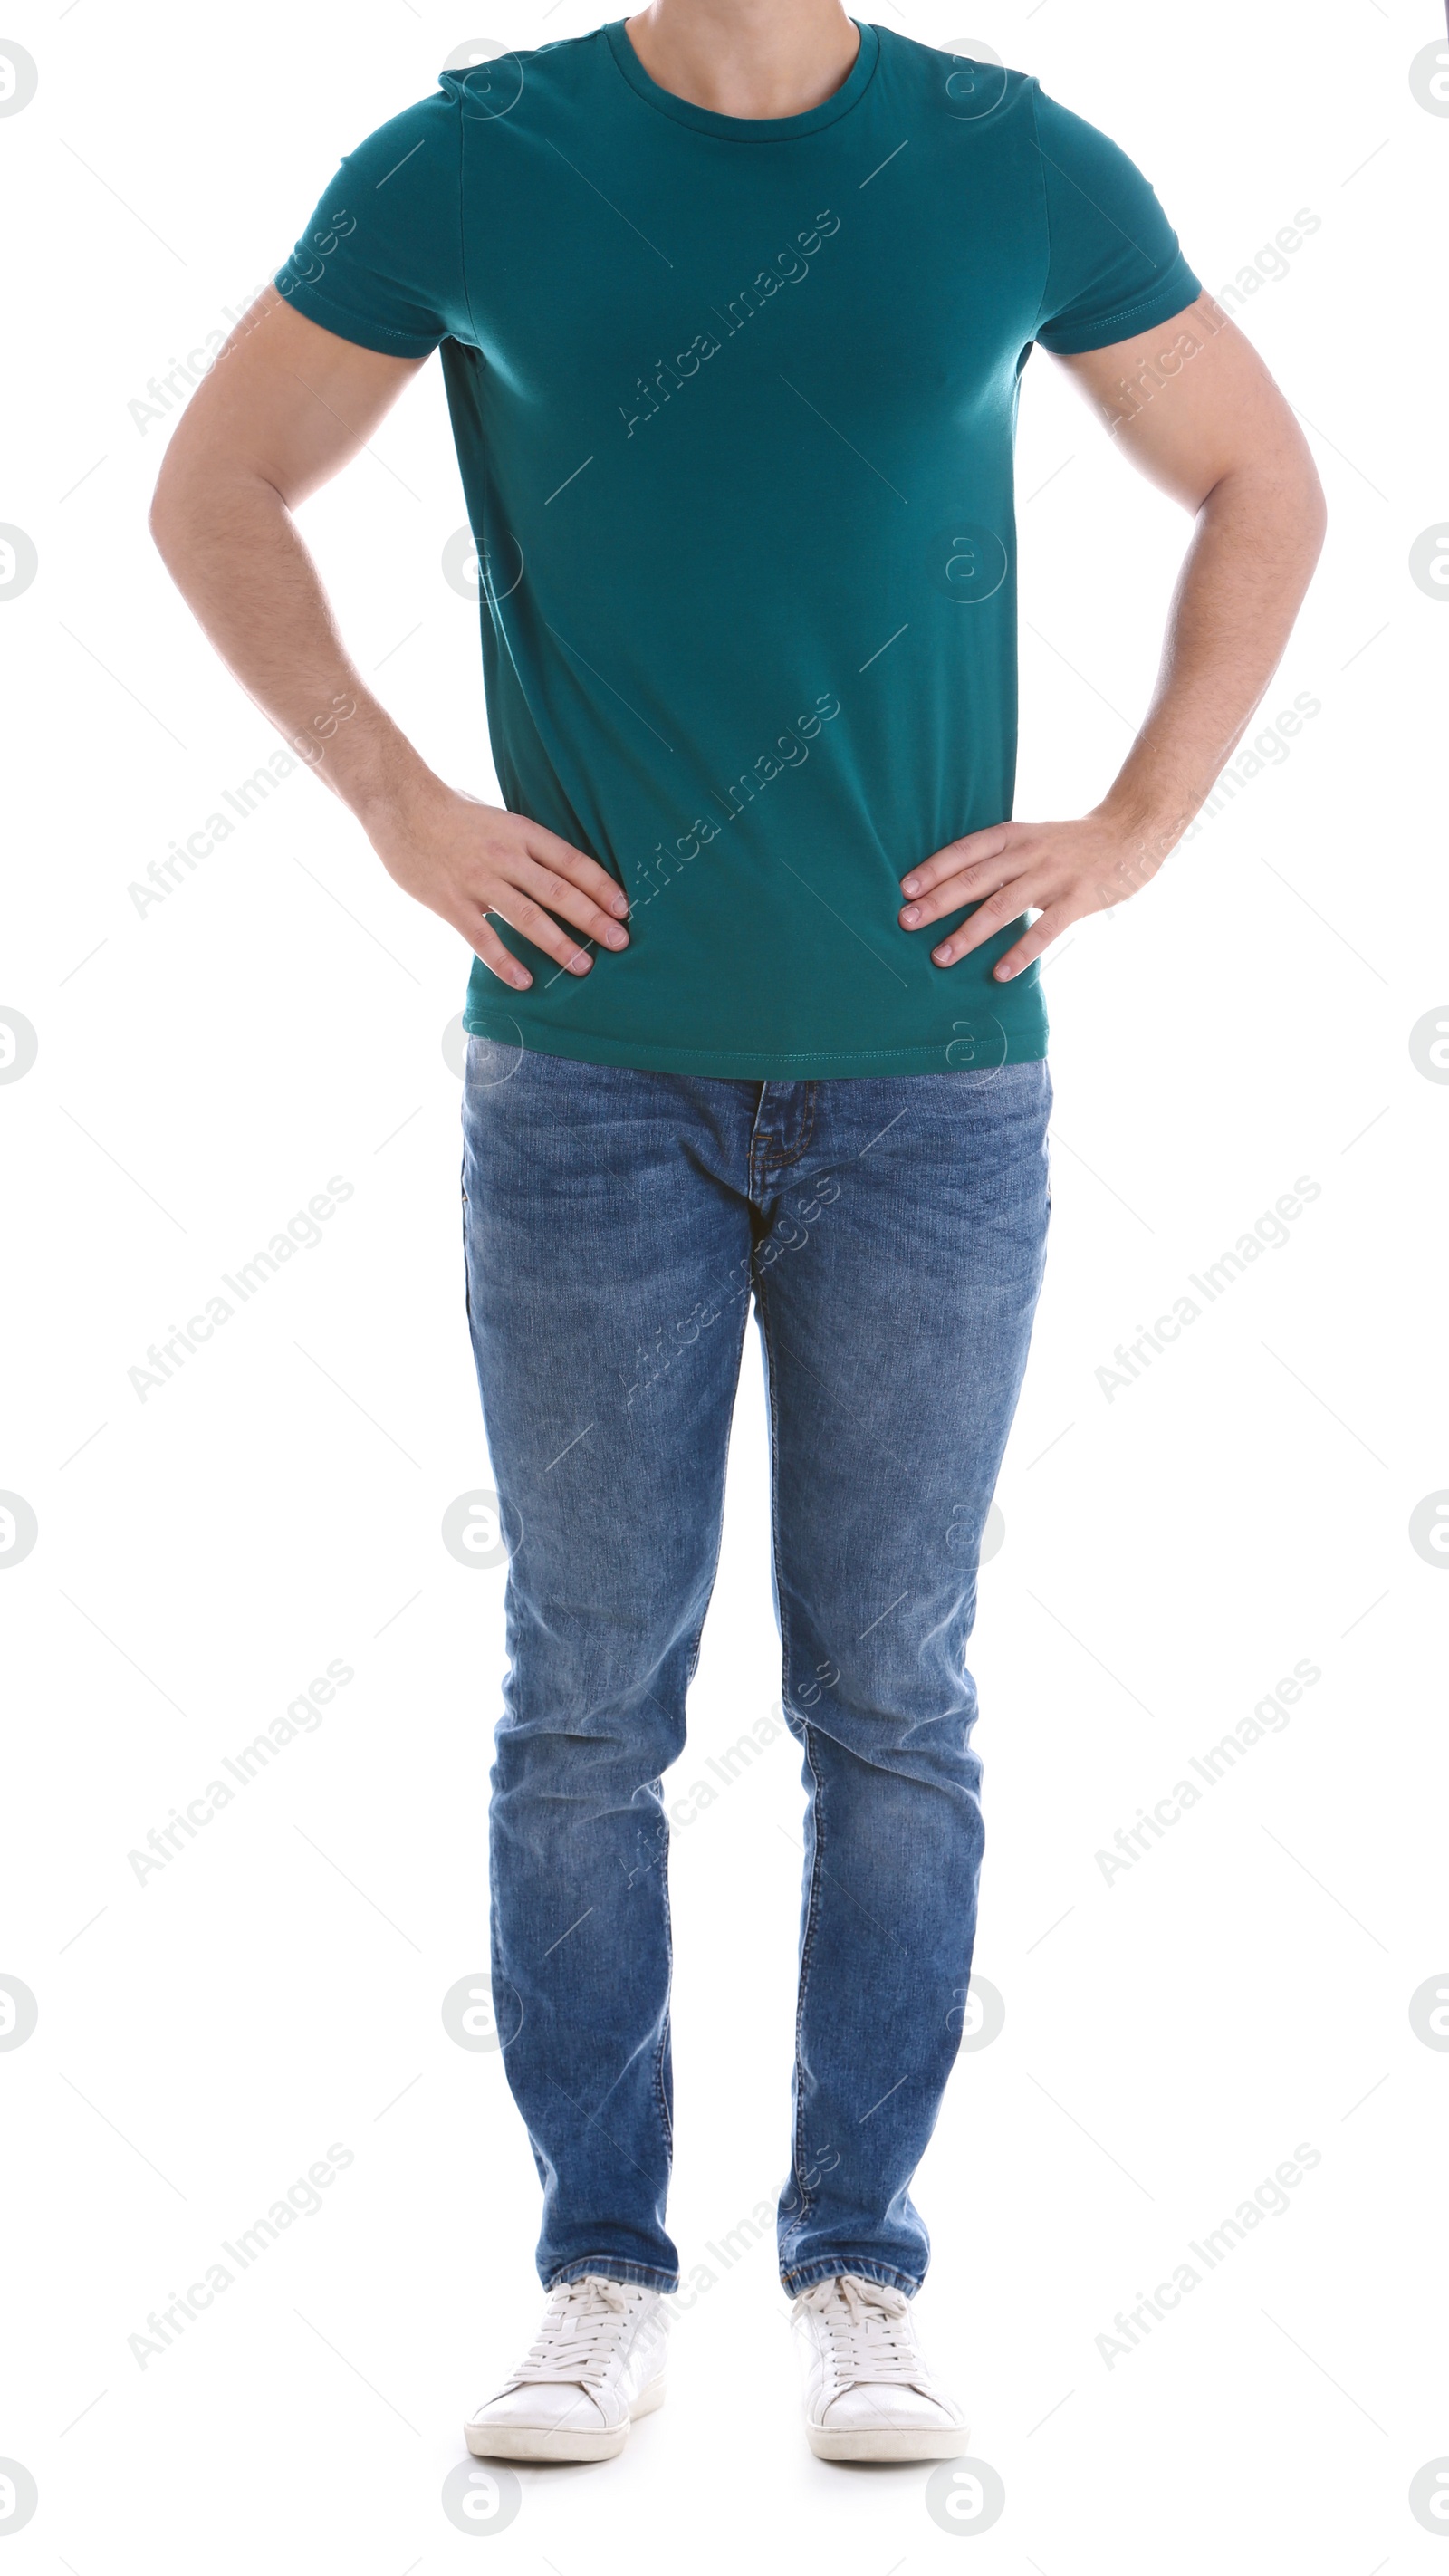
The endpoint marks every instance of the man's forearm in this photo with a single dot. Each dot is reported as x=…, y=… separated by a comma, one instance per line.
x=229, y=540
x=1251, y=558
x=1256, y=541
x=234, y=551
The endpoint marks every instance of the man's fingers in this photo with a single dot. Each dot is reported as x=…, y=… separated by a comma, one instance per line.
x=573, y=901
x=985, y=921
x=1033, y=943
x=548, y=851
x=957, y=855
x=537, y=879
x=485, y=943
x=986, y=877
x=532, y=923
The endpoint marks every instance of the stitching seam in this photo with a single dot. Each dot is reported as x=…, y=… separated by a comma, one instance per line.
x=801, y=2216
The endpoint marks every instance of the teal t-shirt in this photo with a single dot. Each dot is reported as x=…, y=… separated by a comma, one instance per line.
x=735, y=404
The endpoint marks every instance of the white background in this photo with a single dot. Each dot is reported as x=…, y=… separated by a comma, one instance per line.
x=1170, y=2037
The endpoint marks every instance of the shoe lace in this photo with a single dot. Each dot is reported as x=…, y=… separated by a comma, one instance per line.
x=871, y=2334
x=580, y=2334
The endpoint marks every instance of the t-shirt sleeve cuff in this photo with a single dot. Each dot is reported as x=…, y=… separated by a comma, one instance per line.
x=1172, y=293
x=361, y=329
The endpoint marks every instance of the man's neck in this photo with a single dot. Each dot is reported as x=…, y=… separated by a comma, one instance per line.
x=752, y=58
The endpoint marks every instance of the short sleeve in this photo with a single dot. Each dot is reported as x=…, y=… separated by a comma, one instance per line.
x=1114, y=267
x=381, y=261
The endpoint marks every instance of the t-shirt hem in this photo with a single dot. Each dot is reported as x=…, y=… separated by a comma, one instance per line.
x=763, y=1064
x=364, y=334
x=1173, y=294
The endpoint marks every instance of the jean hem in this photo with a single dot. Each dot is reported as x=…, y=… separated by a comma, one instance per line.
x=612, y=2267
x=830, y=2267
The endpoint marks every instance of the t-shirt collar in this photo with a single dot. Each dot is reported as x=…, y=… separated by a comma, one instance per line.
x=748, y=129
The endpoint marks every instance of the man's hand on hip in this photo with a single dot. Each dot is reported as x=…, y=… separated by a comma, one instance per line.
x=466, y=860
x=1220, y=439
x=1061, y=871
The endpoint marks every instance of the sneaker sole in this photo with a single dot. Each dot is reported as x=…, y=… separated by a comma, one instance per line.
x=559, y=2441
x=888, y=2442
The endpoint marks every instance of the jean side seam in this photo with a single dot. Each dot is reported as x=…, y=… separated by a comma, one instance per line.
x=467, y=1282
x=719, y=1539
x=659, y=2094
x=807, y=1953
x=812, y=1908
x=661, y=2099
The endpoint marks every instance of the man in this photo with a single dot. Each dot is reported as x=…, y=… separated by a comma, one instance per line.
x=733, y=299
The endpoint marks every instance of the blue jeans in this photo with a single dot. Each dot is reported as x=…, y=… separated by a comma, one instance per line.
x=616, y=1225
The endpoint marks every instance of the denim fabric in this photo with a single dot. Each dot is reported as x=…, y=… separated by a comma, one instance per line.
x=617, y=1224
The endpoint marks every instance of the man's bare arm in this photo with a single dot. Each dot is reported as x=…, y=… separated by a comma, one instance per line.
x=1208, y=425
x=285, y=408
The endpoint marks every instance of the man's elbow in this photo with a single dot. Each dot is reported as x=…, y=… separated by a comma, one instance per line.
x=203, y=487
x=160, y=520
x=172, y=505
x=1319, y=516
x=1309, y=507
x=1303, y=526
x=1274, y=495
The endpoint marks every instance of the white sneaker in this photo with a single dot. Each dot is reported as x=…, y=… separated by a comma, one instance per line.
x=868, y=2392
x=596, y=2363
